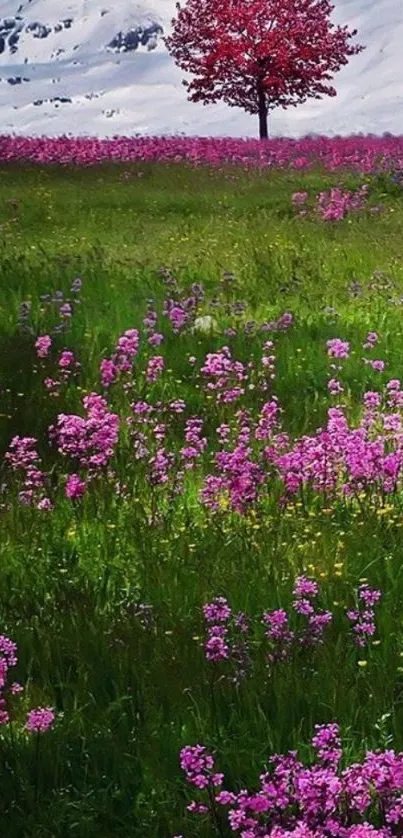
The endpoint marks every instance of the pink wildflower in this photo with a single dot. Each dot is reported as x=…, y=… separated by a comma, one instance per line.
x=40, y=720
x=42, y=346
x=75, y=487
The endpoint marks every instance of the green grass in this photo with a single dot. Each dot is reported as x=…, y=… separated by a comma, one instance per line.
x=132, y=696
x=56, y=221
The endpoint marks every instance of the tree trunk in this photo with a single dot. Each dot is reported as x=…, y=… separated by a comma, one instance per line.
x=263, y=132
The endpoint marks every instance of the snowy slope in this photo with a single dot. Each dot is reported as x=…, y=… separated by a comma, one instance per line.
x=99, y=67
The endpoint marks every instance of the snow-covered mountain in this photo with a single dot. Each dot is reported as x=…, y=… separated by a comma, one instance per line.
x=99, y=67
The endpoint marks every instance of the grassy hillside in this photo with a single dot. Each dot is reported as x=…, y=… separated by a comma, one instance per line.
x=103, y=593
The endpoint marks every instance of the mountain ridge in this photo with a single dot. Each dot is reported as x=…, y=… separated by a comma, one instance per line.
x=90, y=67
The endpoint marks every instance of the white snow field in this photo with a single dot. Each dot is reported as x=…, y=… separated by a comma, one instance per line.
x=100, y=68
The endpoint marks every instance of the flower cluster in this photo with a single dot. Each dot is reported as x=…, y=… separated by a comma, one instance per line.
x=8, y=659
x=363, y=800
x=90, y=441
x=268, y=361
x=227, y=638
x=196, y=444
x=224, y=376
x=333, y=205
x=361, y=154
x=371, y=340
x=282, y=639
x=38, y=720
x=337, y=348
x=42, y=345
x=198, y=766
x=344, y=458
x=217, y=614
x=335, y=387
x=23, y=459
x=377, y=365
x=68, y=366
x=363, y=617
x=254, y=453
x=121, y=361
x=181, y=309
x=155, y=368
x=305, y=590
x=299, y=198
x=286, y=632
x=336, y=204
x=237, y=482
x=279, y=634
x=150, y=321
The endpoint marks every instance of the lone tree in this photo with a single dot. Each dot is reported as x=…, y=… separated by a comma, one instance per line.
x=259, y=54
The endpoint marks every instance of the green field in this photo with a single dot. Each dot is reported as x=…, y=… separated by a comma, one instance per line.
x=131, y=690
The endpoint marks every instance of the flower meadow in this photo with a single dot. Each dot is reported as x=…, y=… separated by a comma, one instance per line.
x=367, y=154
x=201, y=487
